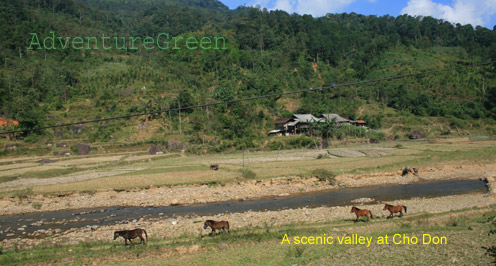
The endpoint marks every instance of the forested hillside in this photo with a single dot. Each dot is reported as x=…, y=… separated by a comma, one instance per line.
x=267, y=52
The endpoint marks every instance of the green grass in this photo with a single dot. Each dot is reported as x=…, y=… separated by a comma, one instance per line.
x=171, y=170
x=167, y=170
x=50, y=173
x=255, y=246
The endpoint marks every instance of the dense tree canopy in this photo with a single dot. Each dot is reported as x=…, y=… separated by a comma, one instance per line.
x=267, y=52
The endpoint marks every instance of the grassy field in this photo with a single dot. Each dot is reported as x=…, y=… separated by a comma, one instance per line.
x=465, y=232
x=141, y=171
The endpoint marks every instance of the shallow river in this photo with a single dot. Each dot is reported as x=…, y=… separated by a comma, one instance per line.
x=67, y=219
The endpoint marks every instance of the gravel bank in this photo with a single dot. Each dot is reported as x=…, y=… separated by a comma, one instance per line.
x=192, y=226
x=250, y=189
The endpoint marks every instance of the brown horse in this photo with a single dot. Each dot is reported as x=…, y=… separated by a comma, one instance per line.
x=217, y=225
x=360, y=212
x=131, y=234
x=394, y=209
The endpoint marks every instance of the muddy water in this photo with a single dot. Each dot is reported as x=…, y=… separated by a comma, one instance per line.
x=64, y=220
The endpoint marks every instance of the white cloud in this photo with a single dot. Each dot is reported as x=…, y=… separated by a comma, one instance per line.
x=315, y=8
x=286, y=5
x=319, y=8
x=475, y=12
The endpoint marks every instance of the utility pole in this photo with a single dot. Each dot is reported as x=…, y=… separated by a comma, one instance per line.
x=180, y=126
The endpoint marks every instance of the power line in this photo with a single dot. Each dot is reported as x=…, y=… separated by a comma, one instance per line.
x=252, y=98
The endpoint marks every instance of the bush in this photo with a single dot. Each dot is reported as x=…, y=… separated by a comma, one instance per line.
x=22, y=194
x=324, y=176
x=302, y=142
x=377, y=135
x=248, y=174
x=295, y=252
x=275, y=145
x=32, y=138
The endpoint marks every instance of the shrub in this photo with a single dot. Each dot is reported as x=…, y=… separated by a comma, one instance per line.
x=295, y=252
x=22, y=194
x=275, y=145
x=248, y=174
x=324, y=176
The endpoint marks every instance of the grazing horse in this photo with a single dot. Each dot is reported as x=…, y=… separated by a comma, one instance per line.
x=214, y=167
x=394, y=209
x=131, y=234
x=217, y=225
x=360, y=212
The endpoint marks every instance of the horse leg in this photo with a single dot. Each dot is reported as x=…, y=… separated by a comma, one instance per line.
x=401, y=214
x=125, y=241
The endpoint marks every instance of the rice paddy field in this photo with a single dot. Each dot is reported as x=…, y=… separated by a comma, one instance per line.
x=136, y=170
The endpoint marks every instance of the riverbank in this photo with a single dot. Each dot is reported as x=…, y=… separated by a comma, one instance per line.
x=192, y=226
x=241, y=190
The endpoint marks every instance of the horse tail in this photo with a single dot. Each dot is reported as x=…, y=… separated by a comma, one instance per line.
x=228, y=230
x=146, y=235
x=371, y=216
x=404, y=207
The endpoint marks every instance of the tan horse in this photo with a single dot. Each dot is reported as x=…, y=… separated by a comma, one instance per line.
x=217, y=225
x=394, y=209
x=360, y=212
x=131, y=234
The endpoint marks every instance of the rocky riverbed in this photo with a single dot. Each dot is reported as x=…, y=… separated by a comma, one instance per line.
x=242, y=190
x=171, y=227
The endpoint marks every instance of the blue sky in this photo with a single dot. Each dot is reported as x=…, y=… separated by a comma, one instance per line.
x=475, y=12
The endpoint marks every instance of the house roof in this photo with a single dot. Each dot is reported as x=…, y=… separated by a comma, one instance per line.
x=305, y=118
x=8, y=122
x=291, y=124
x=282, y=120
x=339, y=119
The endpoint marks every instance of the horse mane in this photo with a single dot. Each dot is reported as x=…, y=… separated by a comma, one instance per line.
x=355, y=208
x=389, y=205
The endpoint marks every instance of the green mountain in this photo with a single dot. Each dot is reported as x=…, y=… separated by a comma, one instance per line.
x=266, y=52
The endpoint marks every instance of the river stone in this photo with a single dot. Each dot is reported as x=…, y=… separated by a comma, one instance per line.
x=77, y=129
x=155, y=149
x=174, y=144
x=58, y=133
x=103, y=127
x=61, y=144
x=416, y=135
x=10, y=147
x=373, y=141
x=83, y=149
